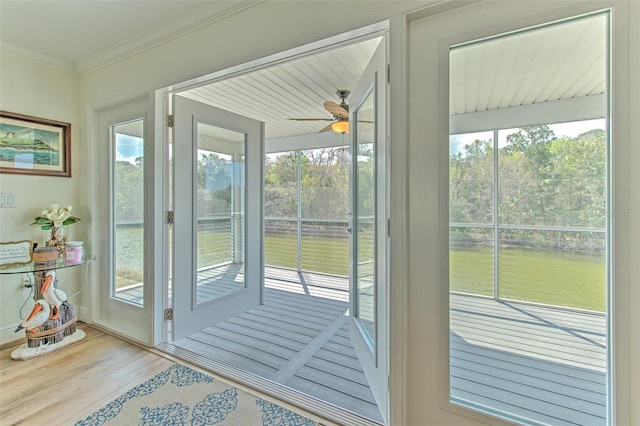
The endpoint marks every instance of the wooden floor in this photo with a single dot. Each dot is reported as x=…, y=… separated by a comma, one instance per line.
x=67, y=385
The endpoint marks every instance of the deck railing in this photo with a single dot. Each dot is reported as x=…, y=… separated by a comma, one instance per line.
x=559, y=266
x=313, y=245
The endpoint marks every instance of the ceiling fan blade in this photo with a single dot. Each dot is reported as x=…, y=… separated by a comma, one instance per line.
x=325, y=128
x=311, y=119
x=336, y=109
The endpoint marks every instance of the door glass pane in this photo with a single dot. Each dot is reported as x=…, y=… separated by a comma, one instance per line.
x=220, y=204
x=364, y=229
x=127, y=141
x=528, y=226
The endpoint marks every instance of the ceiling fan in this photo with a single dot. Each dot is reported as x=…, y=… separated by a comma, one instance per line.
x=340, y=121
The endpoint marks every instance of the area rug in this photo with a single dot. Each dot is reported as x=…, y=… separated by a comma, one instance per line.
x=182, y=396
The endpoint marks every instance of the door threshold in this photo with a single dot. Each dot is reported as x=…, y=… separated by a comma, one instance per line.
x=304, y=402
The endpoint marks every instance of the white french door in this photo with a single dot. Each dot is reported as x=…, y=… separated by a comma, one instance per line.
x=369, y=242
x=218, y=223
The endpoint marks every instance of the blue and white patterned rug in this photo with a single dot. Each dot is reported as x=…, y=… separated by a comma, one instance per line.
x=182, y=396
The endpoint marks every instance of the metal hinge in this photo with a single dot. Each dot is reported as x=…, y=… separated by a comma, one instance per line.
x=389, y=228
x=388, y=73
x=168, y=120
x=168, y=314
x=170, y=217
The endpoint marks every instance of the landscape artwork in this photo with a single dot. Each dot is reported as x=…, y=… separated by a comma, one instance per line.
x=31, y=145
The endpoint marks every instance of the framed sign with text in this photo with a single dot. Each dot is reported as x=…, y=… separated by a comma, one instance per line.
x=16, y=252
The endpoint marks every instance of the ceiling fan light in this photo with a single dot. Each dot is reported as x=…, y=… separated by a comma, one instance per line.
x=340, y=127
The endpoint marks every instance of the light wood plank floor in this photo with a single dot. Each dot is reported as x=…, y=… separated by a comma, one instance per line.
x=66, y=385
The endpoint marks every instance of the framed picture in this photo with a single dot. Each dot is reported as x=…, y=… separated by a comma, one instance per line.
x=16, y=253
x=34, y=146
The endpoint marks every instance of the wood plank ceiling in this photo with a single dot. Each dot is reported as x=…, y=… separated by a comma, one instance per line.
x=293, y=89
x=537, y=66
x=544, y=65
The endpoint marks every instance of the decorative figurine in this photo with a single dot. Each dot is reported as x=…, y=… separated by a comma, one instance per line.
x=39, y=314
x=54, y=296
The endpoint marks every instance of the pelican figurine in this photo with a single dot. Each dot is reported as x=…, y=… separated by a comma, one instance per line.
x=39, y=314
x=54, y=296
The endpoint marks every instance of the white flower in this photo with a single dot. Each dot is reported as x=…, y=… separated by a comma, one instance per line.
x=55, y=216
x=58, y=216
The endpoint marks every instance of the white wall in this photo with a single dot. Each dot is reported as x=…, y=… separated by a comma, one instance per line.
x=35, y=89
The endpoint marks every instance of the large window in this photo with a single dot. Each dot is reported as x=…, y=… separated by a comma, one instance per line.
x=528, y=224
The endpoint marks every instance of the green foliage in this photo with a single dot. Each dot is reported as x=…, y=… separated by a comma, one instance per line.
x=542, y=181
x=324, y=180
x=129, y=191
x=214, y=185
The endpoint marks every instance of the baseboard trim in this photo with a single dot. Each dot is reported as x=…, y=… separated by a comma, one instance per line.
x=8, y=335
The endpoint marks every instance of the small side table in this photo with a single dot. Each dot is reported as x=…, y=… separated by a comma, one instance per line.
x=54, y=334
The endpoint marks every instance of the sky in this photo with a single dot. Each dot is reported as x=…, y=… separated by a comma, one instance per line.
x=128, y=148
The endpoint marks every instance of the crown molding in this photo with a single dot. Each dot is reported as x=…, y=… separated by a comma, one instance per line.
x=12, y=49
x=160, y=35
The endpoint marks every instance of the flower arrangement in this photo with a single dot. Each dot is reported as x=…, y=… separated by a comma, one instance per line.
x=55, y=216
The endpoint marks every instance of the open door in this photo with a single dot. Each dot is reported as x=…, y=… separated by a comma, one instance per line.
x=217, y=238
x=369, y=240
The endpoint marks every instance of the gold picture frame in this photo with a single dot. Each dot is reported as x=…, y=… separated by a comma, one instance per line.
x=34, y=146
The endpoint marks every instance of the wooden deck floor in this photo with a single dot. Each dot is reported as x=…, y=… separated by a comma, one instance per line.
x=540, y=364
x=299, y=338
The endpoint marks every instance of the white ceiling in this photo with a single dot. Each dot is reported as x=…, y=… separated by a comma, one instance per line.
x=536, y=67
x=79, y=35
x=70, y=33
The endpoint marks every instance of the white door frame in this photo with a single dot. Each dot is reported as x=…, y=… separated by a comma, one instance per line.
x=134, y=321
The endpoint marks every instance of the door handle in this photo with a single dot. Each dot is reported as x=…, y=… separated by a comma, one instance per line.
x=348, y=230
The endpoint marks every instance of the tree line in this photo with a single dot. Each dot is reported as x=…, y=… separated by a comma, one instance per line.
x=324, y=185
x=542, y=181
